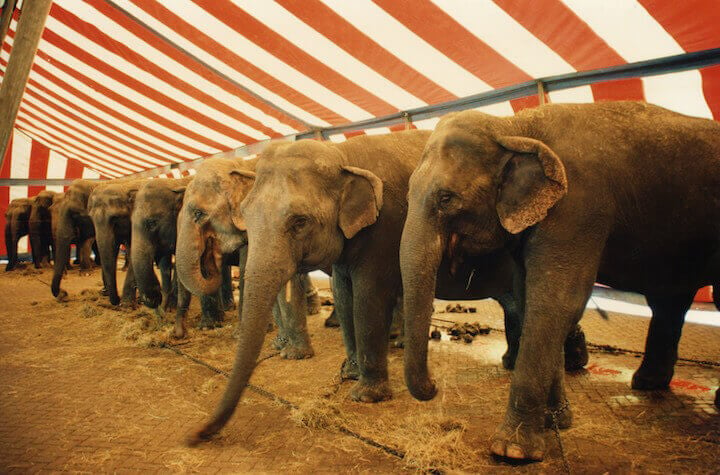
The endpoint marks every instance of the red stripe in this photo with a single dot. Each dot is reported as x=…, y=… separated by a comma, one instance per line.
x=89, y=150
x=558, y=27
x=120, y=99
x=30, y=97
x=81, y=55
x=94, y=34
x=39, y=158
x=694, y=25
x=174, y=53
x=57, y=143
x=449, y=37
x=341, y=32
x=5, y=171
x=229, y=57
x=53, y=120
x=275, y=44
x=74, y=169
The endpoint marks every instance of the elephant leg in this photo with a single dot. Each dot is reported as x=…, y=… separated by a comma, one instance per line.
x=280, y=340
x=397, y=327
x=332, y=321
x=129, y=291
x=226, y=288
x=212, y=314
x=342, y=292
x=558, y=286
x=558, y=411
x=83, y=254
x=292, y=302
x=668, y=316
x=576, y=353
x=374, y=298
x=168, y=284
x=183, y=304
x=311, y=294
x=513, y=327
x=94, y=249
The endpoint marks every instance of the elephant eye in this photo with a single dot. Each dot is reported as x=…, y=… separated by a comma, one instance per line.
x=298, y=223
x=198, y=214
x=445, y=198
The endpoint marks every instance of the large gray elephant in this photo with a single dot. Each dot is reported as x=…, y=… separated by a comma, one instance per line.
x=623, y=193
x=319, y=206
x=207, y=235
x=73, y=224
x=17, y=217
x=110, y=208
x=40, y=228
x=154, y=235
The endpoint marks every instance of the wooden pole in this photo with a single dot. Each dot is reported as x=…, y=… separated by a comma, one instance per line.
x=541, y=93
x=7, y=14
x=27, y=37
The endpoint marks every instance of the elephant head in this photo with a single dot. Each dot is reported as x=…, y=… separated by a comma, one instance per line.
x=16, y=226
x=482, y=180
x=306, y=202
x=154, y=231
x=72, y=223
x=39, y=227
x=205, y=224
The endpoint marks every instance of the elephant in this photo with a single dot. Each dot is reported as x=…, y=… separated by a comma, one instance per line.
x=74, y=225
x=16, y=226
x=206, y=231
x=40, y=228
x=321, y=206
x=110, y=207
x=621, y=193
x=154, y=234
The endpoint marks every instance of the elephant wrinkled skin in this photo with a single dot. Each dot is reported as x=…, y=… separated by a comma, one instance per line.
x=17, y=218
x=576, y=193
x=40, y=228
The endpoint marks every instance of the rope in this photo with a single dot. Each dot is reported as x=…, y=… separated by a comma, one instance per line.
x=287, y=404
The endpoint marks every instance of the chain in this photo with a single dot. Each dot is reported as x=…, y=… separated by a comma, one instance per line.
x=556, y=428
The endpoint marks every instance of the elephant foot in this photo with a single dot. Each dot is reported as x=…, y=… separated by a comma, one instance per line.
x=648, y=380
x=128, y=303
x=576, y=353
x=508, y=360
x=297, y=352
x=104, y=292
x=179, y=332
x=209, y=324
x=228, y=305
x=62, y=296
x=8, y=268
x=371, y=392
x=279, y=342
x=349, y=370
x=313, y=302
x=518, y=441
x=159, y=317
x=563, y=416
x=332, y=321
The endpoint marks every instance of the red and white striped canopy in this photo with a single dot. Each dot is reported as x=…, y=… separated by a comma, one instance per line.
x=122, y=86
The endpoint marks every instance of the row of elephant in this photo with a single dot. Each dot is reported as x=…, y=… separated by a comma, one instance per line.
x=530, y=210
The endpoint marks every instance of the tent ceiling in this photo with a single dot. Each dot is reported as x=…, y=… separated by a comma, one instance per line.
x=128, y=85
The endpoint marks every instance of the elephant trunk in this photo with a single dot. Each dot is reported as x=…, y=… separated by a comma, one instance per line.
x=65, y=235
x=421, y=250
x=197, y=257
x=108, y=249
x=142, y=256
x=267, y=270
x=11, y=244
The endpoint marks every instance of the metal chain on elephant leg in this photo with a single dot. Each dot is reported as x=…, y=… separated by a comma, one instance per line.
x=556, y=428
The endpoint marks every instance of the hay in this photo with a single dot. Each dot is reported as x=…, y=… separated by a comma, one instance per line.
x=319, y=413
x=88, y=311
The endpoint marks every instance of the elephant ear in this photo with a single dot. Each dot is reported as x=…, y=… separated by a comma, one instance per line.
x=131, y=197
x=241, y=182
x=532, y=180
x=361, y=200
x=179, y=196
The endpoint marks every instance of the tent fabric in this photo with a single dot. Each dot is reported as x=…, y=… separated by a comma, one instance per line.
x=123, y=86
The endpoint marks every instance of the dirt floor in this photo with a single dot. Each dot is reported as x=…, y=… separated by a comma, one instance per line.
x=84, y=387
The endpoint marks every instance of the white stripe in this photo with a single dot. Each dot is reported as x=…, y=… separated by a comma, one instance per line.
x=631, y=31
x=175, y=173
x=45, y=139
x=501, y=109
x=20, y=158
x=577, y=94
x=269, y=63
x=103, y=55
x=324, y=50
x=57, y=165
x=82, y=149
x=408, y=47
x=192, y=171
x=89, y=173
x=121, y=109
x=116, y=31
x=128, y=154
x=378, y=131
x=218, y=65
x=427, y=124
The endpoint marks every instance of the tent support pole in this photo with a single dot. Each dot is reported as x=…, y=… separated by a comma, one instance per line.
x=27, y=37
x=7, y=14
